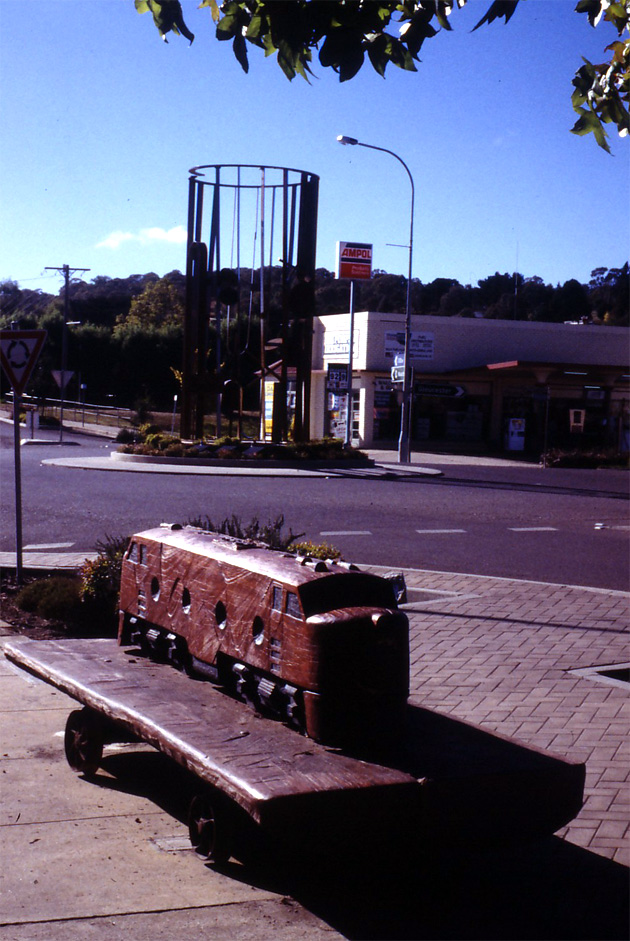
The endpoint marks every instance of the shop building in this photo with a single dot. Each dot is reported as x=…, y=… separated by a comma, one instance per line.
x=510, y=385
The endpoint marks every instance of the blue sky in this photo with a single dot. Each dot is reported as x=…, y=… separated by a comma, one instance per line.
x=102, y=120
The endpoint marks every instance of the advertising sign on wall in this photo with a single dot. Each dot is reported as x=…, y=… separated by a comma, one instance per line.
x=421, y=345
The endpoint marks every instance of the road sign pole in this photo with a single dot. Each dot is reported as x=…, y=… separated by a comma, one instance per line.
x=348, y=441
x=19, y=350
x=17, y=402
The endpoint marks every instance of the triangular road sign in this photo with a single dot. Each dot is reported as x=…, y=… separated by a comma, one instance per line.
x=62, y=377
x=19, y=351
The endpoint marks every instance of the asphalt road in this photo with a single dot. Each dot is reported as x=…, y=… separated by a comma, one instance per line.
x=568, y=527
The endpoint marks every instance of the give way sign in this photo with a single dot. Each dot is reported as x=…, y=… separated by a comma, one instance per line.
x=19, y=351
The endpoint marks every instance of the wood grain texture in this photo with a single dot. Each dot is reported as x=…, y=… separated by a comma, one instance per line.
x=447, y=781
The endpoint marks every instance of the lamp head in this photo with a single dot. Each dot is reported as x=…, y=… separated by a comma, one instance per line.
x=347, y=140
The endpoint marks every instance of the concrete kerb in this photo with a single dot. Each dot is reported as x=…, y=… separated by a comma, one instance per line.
x=380, y=458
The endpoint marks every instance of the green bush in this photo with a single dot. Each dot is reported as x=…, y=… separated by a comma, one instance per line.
x=587, y=458
x=57, y=597
x=148, y=428
x=100, y=580
x=270, y=533
x=315, y=550
x=128, y=436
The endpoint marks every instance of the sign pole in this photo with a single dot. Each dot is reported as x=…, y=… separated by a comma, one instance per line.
x=17, y=402
x=348, y=441
x=19, y=350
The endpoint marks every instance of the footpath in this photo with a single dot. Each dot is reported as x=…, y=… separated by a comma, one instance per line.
x=546, y=664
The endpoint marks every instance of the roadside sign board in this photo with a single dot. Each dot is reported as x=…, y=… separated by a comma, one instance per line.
x=337, y=377
x=440, y=389
x=19, y=351
x=62, y=377
x=354, y=260
x=421, y=346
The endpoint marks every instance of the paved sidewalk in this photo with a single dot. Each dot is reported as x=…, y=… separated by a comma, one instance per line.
x=498, y=652
x=502, y=653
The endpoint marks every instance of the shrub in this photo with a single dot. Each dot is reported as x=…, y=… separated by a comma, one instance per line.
x=324, y=449
x=148, y=429
x=128, y=436
x=588, y=458
x=57, y=597
x=100, y=579
x=315, y=550
x=175, y=449
x=270, y=534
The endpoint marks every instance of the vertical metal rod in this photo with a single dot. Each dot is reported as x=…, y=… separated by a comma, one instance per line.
x=64, y=347
x=17, y=403
x=546, y=441
x=217, y=268
x=262, y=304
x=348, y=441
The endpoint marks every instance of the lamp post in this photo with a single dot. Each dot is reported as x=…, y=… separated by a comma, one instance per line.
x=405, y=417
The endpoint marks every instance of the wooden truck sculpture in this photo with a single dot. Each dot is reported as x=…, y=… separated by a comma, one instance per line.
x=320, y=644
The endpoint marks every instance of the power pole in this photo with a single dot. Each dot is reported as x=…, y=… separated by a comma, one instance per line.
x=67, y=272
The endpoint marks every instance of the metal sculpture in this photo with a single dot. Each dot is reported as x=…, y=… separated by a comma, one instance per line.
x=275, y=210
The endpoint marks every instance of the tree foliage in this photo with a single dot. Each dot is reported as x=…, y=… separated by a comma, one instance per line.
x=160, y=305
x=137, y=360
x=347, y=33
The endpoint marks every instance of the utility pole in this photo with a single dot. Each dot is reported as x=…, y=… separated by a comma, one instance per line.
x=67, y=272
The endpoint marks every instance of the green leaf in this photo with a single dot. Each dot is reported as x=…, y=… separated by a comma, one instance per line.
x=214, y=8
x=498, y=9
x=229, y=24
x=239, y=47
x=589, y=123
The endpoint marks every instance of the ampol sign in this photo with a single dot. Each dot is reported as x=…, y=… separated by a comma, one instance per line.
x=354, y=260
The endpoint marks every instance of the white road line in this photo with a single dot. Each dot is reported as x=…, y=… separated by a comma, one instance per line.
x=346, y=532
x=429, y=532
x=51, y=545
x=533, y=529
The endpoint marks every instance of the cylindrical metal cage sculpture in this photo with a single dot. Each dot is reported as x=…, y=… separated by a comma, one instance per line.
x=270, y=213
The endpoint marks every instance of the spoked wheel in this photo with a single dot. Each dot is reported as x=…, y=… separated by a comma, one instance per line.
x=83, y=742
x=209, y=829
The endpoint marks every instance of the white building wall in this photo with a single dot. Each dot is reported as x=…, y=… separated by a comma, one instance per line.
x=450, y=345
x=454, y=343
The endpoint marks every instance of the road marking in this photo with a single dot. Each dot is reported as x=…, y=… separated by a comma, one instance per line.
x=346, y=532
x=51, y=545
x=429, y=532
x=532, y=529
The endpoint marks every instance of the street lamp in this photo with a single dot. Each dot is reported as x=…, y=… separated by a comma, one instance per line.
x=405, y=418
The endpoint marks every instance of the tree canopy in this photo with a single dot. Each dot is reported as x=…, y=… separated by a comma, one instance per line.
x=346, y=33
x=128, y=345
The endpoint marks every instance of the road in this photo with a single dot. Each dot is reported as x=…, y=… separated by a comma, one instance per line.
x=568, y=527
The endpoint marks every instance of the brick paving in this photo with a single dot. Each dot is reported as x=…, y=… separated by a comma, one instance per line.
x=500, y=652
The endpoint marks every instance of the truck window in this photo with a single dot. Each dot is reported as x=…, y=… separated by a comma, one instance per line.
x=293, y=605
x=276, y=598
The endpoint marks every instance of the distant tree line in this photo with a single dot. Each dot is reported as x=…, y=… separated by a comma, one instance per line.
x=127, y=345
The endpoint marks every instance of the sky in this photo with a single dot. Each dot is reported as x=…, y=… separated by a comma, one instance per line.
x=101, y=121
